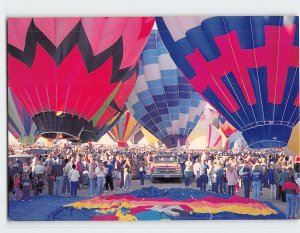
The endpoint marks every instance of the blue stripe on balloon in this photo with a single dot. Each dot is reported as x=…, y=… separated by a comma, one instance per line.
x=27, y=122
x=12, y=123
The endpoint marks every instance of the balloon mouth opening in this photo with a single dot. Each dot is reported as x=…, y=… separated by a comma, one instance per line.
x=59, y=135
x=122, y=144
x=267, y=136
x=63, y=126
x=173, y=141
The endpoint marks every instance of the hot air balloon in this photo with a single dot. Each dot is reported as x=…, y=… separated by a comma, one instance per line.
x=20, y=124
x=205, y=136
x=152, y=140
x=137, y=137
x=125, y=128
x=74, y=74
x=293, y=145
x=236, y=141
x=226, y=128
x=162, y=101
x=109, y=125
x=210, y=116
x=247, y=68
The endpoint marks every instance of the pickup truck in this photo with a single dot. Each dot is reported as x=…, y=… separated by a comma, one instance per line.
x=165, y=166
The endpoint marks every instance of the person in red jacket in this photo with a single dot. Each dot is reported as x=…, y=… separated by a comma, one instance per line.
x=291, y=189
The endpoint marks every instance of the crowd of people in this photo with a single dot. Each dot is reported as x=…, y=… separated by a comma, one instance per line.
x=67, y=168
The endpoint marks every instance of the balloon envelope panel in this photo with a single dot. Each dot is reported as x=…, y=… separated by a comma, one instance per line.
x=246, y=67
x=162, y=101
x=20, y=123
x=125, y=128
x=68, y=71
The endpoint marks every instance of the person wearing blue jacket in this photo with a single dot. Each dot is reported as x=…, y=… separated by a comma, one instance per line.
x=271, y=177
x=142, y=174
x=256, y=177
x=245, y=172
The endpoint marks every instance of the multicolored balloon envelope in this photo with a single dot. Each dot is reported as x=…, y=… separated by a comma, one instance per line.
x=137, y=137
x=162, y=101
x=245, y=67
x=74, y=74
x=226, y=128
x=205, y=136
x=20, y=124
x=109, y=125
x=210, y=116
x=151, y=139
x=167, y=204
x=125, y=128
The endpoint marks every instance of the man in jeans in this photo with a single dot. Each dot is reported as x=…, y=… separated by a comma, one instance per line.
x=58, y=170
x=219, y=172
x=203, y=176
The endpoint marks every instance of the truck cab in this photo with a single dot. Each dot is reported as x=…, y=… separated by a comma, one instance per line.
x=165, y=166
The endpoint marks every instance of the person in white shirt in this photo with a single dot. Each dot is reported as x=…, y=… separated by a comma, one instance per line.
x=39, y=168
x=74, y=177
x=196, y=170
x=100, y=173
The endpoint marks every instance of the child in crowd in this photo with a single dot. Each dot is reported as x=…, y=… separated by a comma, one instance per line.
x=39, y=186
x=27, y=183
x=142, y=174
x=17, y=187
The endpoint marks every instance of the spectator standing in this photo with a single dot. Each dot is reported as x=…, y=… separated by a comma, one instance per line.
x=127, y=175
x=109, y=175
x=39, y=172
x=27, y=184
x=203, y=180
x=196, y=170
x=219, y=177
x=256, y=177
x=283, y=177
x=79, y=168
x=50, y=178
x=17, y=187
x=66, y=183
x=118, y=171
x=232, y=178
x=277, y=171
x=59, y=177
x=92, y=175
x=245, y=172
x=74, y=178
x=291, y=189
x=142, y=174
x=271, y=178
x=100, y=173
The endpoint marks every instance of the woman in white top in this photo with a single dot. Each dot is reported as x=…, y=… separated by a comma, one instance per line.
x=100, y=173
x=127, y=175
x=74, y=177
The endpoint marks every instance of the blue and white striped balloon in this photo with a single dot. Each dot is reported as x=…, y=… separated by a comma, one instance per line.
x=163, y=101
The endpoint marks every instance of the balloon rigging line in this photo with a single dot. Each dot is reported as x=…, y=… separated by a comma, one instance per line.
x=277, y=65
x=256, y=66
x=236, y=63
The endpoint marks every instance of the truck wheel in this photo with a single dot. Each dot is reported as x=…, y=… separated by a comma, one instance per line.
x=179, y=180
x=153, y=180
